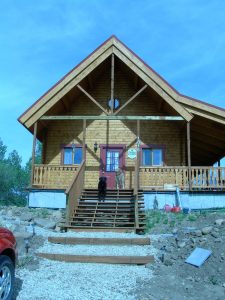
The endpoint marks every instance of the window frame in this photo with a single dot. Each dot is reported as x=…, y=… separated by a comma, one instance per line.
x=68, y=146
x=153, y=147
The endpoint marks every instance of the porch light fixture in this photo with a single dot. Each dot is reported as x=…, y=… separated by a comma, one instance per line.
x=95, y=147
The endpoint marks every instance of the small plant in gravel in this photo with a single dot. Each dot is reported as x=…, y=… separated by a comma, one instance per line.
x=213, y=280
x=43, y=213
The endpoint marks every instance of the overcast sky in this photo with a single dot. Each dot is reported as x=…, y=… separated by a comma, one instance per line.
x=40, y=41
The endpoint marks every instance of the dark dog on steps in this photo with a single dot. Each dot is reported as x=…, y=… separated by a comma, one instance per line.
x=102, y=188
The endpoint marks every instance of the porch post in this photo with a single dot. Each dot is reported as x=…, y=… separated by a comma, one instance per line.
x=84, y=139
x=136, y=187
x=33, y=153
x=189, y=155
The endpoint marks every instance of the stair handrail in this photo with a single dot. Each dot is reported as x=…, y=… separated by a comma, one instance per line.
x=74, y=190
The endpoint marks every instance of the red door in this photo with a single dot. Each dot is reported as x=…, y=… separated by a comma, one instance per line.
x=112, y=158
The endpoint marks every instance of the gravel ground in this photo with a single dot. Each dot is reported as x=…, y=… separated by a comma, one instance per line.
x=96, y=250
x=74, y=281
x=68, y=281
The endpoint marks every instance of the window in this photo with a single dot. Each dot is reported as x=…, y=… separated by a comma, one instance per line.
x=72, y=155
x=116, y=103
x=152, y=157
x=112, y=160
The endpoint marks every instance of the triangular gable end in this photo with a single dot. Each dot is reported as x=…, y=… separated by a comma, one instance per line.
x=76, y=75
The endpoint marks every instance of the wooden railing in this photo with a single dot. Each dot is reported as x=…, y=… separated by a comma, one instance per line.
x=53, y=176
x=162, y=178
x=73, y=192
x=208, y=177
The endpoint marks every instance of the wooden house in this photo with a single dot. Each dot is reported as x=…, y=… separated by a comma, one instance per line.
x=114, y=111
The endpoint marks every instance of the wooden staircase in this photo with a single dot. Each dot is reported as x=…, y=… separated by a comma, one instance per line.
x=115, y=213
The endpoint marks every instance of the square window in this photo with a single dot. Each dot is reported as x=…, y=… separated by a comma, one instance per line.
x=152, y=157
x=72, y=155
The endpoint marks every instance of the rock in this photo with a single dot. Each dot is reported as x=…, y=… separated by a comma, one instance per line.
x=215, y=234
x=196, y=232
x=207, y=230
x=202, y=239
x=175, y=231
x=223, y=285
x=219, y=222
x=190, y=278
x=45, y=223
x=23, y=235
x=58, y=229
x=57, y=214
x=181, y=244
x=168, y=262
x=9, y=213
x=218, y=240
x=26, y=216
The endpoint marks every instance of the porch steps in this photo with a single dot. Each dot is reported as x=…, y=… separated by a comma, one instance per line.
x=115, y=213
x=106, y=259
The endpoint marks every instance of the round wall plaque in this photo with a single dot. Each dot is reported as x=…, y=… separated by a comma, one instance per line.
x=132, y=153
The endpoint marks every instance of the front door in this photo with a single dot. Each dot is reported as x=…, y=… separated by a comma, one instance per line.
x=112, y=158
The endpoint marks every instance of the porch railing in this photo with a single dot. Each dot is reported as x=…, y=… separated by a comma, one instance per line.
x=53, y=176
x=208, y=177
x=162, y=178
x=73, y=192
x=159, y=177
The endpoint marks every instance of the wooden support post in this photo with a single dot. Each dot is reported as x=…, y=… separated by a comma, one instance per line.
x=112, y=82
x=84, y=139
x=189, y=156
x=219, y=173
x=33, y=153
x=136, y=189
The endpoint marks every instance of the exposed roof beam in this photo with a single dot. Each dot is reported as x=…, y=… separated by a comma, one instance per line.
x=131, y=99
x=92, y=99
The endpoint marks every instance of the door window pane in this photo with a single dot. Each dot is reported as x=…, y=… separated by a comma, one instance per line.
x=112, y=160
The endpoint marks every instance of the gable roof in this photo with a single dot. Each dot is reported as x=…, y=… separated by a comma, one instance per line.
x=71, y=79
x=183, y=105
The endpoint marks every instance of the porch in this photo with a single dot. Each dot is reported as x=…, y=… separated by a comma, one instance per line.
x=150, y=178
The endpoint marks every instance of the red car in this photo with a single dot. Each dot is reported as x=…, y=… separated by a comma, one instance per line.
x=8, y=256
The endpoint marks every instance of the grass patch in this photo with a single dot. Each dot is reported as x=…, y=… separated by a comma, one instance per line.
x=192, y=218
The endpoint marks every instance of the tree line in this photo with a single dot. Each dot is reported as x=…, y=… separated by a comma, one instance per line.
x=14, y=178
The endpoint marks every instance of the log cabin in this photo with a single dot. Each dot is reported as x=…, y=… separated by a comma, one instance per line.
x=114, y=111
